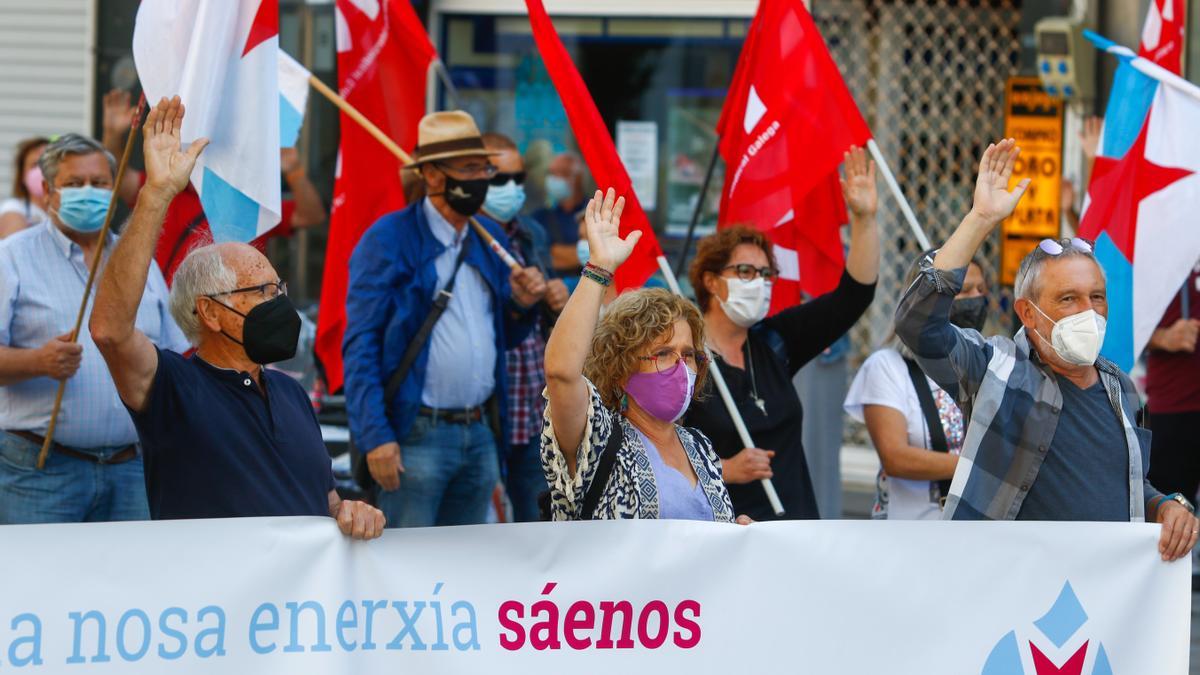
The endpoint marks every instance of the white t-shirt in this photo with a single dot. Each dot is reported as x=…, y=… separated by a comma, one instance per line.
x=884, y=380
x=33, y=214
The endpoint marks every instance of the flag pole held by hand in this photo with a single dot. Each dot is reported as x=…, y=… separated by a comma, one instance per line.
x=377, y=133
x=95, y=266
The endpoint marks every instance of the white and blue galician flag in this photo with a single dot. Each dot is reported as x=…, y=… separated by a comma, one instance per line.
x=222, y=59
x=293, y=99
x=1144, y=197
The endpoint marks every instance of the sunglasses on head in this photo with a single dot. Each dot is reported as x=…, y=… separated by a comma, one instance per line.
x=501, y=179
x=1056, y=247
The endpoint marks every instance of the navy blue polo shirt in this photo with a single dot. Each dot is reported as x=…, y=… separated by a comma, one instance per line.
x=216, y=447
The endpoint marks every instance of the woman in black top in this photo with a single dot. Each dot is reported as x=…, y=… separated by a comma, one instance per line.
x=732, y=275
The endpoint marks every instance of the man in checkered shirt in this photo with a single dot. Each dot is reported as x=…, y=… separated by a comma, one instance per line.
x=1052, y=432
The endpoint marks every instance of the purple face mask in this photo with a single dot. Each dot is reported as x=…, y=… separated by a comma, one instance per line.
x=663, y=395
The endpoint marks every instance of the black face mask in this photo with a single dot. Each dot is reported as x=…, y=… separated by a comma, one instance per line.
x=969, y=313
x=270, y=332
x=465, y=196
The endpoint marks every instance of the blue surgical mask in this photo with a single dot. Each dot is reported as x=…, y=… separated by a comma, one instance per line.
x=557, y=188
x=83, y=208
x=504, y=201
x=583, y=250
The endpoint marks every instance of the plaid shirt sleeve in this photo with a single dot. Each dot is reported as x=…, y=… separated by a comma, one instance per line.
x=956, y=359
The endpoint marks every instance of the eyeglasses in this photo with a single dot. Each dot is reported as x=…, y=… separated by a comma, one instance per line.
x=473, y=170
x=1055, y=246
x=269, y=290
x=667, y=359
x=501, y=179
x=748, y=272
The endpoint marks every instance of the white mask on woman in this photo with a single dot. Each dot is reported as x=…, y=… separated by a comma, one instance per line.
x=748, y=301
x=1077, y=338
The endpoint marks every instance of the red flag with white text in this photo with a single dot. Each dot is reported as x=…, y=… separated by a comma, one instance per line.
x=596, y=146
x=1162, y=34
x=787, y=121
x=384, y=56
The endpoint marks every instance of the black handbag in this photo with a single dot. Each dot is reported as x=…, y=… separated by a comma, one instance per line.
x=362, y=473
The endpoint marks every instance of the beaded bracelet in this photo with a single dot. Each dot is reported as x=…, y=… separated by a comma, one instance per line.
x=598, y=274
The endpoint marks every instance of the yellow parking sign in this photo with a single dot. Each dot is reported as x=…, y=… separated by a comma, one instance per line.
x=1035, y=120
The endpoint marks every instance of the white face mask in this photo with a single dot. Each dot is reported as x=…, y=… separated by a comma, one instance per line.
x=1077, y=338
x=748, y=301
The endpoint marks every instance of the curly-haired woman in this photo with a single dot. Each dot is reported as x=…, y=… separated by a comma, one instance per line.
x=616, y=385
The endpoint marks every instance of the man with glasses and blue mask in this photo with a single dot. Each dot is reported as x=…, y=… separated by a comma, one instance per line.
x=223, y=436
x=430, y=312
x=529, y=244
x=1053, y=425
x=94, y=469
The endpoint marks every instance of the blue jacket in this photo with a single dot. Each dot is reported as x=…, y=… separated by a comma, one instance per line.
x=392, y=284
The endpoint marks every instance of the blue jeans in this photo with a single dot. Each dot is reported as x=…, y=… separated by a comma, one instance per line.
x=450, y=471
x=67, y=490
x=526, y=480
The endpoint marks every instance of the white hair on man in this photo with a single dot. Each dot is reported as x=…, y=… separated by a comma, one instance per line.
x=203, y=272
x=71, y=145
x=1028, y=282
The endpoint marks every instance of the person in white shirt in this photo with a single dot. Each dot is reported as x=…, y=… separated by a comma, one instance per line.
x=27, y=205
x=918, y=461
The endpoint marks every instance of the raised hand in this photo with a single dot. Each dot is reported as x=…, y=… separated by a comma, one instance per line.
x=118, y=112
x=1089, y=137
x=168, y=167
x=603, y=217
x=993, y=200
x=858, y=187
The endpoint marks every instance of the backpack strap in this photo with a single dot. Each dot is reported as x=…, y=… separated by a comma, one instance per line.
x=937, y=435
x=607, y=459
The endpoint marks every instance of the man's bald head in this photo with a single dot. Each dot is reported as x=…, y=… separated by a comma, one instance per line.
x=213, y=270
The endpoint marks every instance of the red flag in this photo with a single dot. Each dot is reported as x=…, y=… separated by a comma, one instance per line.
x=596, y=145
x=786, y=123
x=384, y=56
x=1162, y=34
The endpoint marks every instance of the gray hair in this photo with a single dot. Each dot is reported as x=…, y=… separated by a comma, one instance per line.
x=1028, y=282
x=71, y=145
x=203, y=272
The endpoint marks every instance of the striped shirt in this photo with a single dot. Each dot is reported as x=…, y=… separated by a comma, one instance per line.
x=42, y=277
x=1013, y=400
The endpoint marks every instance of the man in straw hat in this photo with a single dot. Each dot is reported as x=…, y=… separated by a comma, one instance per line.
x=428, y=442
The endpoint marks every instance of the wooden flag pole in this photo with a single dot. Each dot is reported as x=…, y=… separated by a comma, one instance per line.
x=377, y=133
x=95, y=266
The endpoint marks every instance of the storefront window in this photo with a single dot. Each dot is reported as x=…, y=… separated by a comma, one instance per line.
x=659, y=85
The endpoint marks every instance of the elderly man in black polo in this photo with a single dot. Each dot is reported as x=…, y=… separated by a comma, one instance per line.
x=222, y=435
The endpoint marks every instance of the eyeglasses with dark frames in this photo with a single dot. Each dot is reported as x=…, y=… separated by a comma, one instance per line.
x=269, y=290
x=501, y=179
x=748, y=272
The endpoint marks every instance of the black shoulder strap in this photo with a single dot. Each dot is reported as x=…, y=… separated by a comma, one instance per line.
x=937, y=435
x=440, y=302
x=608, y=458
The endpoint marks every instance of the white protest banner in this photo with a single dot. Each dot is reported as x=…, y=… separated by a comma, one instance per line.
x=294, y=596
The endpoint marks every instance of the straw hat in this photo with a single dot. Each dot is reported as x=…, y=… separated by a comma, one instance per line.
x=444, y=135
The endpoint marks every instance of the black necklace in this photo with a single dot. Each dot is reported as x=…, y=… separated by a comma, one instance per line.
x=758, y=401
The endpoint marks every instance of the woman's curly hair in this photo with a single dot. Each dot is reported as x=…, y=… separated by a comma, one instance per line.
x=630, y=325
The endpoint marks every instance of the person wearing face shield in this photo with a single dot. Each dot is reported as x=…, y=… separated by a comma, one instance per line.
x=732, y=275
x=918, y=433
x=94, y=471
x=1054, y=432
x=222, y=435
x=430, y=312
x=616, y=387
